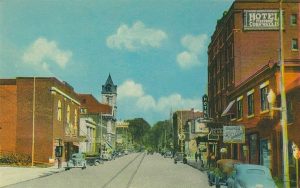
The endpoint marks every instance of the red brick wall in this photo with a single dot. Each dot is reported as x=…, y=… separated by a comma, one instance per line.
x=254, y=48
x=8, y=120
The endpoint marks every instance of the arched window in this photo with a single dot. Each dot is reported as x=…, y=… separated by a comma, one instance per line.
x=59, y=110
x=68, y=114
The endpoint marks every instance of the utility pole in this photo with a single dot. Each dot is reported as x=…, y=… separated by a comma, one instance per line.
x=286, y=177
x=33, y=123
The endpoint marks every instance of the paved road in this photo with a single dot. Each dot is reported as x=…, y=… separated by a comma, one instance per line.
x=132, y=171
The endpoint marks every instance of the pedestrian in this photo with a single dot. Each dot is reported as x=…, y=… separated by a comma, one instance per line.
x=196, y=156
x=209, y=160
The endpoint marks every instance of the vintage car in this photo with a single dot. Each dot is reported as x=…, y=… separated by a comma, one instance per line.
x=218, y=176
x=77, y=161
x=168, y=154
x=94, y=160
x=249, y=175
x=180, y=157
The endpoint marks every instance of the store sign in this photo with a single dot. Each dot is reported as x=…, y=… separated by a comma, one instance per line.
x=205, y=106
x=201, y=128
x=261, y=19
x=217, y=131
x=234, y=134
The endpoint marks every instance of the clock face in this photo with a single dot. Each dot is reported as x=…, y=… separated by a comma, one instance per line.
x=108, y=87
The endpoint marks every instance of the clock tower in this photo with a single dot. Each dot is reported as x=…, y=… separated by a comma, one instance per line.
x=109, y=95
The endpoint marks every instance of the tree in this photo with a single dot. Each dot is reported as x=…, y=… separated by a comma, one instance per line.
x=138, y=128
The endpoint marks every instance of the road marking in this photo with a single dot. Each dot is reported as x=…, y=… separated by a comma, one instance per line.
x=134, y=173
x=118, y=173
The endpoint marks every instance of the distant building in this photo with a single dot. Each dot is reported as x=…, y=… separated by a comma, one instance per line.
x=93, y=125
x=47, y=104
x=109, y=97
x=181, y=128
x=122, y=135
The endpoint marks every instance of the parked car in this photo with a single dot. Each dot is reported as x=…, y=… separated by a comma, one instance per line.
x=180, y=157
x=249, y=175
x=168, y=154
x=94, y=160
x=218, y=176
x=77, y=161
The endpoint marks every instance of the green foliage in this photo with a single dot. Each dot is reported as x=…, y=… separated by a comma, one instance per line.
x=138, y=128
x=15, y=159
x=156, y=137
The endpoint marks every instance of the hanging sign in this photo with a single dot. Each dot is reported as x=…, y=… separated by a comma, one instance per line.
x=234, y=134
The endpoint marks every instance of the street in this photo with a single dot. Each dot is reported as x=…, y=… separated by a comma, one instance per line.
x=134, y=170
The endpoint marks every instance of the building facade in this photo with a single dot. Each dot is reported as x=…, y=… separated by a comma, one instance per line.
x=87, y=135
x=38, y=112
x=245, y=39
x=242, y=68
x=263, y=135
x=93, y=111
x=182, y=129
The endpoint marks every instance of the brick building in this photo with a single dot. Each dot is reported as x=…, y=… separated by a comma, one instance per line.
x=263, y=143
x=48, y=105
x=242, y=68
x=243, y=43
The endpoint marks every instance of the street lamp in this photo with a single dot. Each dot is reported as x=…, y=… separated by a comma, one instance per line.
x=271, y=99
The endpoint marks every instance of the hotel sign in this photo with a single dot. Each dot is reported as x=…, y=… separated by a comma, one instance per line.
x=234, y=134
x=261, y=19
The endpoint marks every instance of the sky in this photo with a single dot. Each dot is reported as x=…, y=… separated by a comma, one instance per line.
x=155, y=50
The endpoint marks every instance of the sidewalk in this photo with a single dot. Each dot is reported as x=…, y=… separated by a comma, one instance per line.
x=195, y=164
x=13, y=175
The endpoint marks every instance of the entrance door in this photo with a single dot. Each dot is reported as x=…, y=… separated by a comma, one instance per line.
x=265, y=153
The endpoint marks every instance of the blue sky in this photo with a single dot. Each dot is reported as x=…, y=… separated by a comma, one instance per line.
x=155, y=50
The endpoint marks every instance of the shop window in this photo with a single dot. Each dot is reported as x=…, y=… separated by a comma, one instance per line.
x=253, y=148
x=239, y=106
x=294, y=19
x=250, y=100
x=295, y=44
x=290, y=116
x=264, y=104
x=59, y=111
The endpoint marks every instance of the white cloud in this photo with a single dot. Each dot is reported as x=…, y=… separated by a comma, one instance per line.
x=195, y=45
x=130, y=89
x=43, y=53
x=136, y=37
x=145, y=102
x=187, y=59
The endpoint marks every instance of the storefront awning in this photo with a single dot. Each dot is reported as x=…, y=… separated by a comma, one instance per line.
x=228, y=109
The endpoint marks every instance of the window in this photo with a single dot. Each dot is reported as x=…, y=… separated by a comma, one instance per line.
x=294, y=44
x=59, y=110
x=68, y=114
x=75, y=118
x=250, y=98
x=264, y=104
x=294, y=19
x=239, y=106
x=290, y=116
